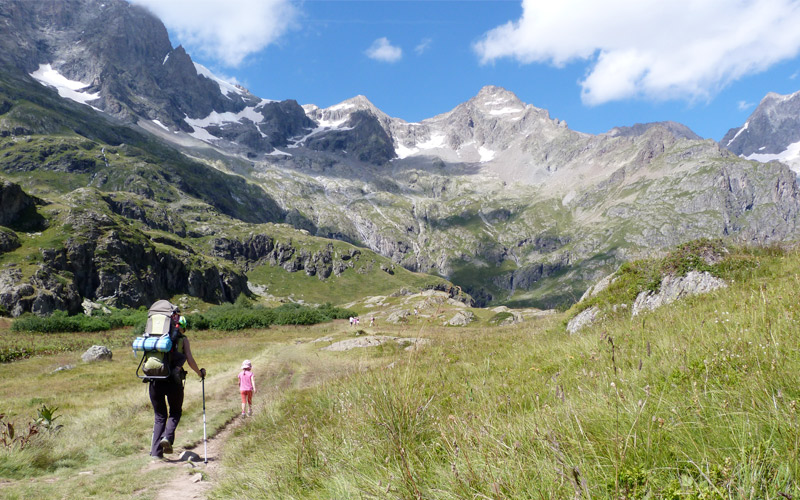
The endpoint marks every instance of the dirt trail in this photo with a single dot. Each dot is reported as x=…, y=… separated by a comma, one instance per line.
x=283, y=369
x=187, y=482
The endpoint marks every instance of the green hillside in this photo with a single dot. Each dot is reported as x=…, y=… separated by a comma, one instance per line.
x=123, y=218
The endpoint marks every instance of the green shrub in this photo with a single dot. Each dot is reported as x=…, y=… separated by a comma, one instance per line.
x=244, y=315
x=60, y=321
x=226, y=317
x=9, y=354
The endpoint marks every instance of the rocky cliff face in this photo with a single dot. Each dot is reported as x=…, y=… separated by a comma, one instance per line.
x=14, y=203
x=103, y=258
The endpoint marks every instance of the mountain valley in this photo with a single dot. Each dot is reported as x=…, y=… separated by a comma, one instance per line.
x=496, y=197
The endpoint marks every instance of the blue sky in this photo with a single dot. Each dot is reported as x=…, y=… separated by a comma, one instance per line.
x=595, y=64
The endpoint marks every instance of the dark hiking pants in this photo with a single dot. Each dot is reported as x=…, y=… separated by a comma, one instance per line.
x=163, y=393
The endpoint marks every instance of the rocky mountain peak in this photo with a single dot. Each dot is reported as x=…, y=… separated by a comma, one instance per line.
x=110, y=54
x=497, y=100
x=678, y=130
x=339, y=113
x=772, y=132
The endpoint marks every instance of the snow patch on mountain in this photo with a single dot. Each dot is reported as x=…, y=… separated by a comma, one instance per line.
x=227, y=88
x=486, y=154
x=791, y=156
x=435, y=141
x=69, y=89
x=746, y=124
x=504, y=111
x=249, y=113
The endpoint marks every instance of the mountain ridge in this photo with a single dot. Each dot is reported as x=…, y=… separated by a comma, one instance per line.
x=496, y=195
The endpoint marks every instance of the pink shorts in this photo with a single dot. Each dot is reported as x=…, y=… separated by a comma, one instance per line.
x=247, y=397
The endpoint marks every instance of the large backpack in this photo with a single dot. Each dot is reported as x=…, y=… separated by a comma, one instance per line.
x=159, y=344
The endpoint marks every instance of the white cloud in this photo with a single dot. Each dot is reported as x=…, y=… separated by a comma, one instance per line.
x=744, y=105
x=383, y=50
x=423, y=45
x=655, y=49
x=225, y=30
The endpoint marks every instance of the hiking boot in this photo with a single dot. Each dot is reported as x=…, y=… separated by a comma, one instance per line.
x=166, y=446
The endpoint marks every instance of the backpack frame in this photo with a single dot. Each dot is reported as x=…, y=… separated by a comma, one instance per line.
x=157, y=341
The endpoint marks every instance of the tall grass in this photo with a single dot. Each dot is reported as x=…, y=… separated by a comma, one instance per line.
x=695, y=400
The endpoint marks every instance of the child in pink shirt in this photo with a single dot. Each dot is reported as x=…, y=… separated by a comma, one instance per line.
x=247, y=386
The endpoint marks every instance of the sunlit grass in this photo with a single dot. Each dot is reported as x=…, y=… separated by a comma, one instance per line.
x=696, y=400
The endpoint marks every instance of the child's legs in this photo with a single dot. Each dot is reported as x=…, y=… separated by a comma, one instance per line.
x=247, y=398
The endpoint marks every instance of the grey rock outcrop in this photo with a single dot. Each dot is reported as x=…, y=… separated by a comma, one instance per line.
x=676, y=287
x=583, y=319
x=398, y=317
x=8, y=240
x=598, y=287
x=89, y=308
x=260, y=248
x=374, y=341
x=13, y=202
x=116, y=263
x=97, y=353
x=461, y=318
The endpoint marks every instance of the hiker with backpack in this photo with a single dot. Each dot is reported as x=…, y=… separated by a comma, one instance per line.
x=166, y=391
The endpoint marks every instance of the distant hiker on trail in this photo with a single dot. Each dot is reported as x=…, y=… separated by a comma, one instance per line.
x=372, y=321
x=247, y=386
x=166, y=395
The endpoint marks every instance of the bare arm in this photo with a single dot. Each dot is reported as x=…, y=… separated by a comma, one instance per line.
x=201, y=372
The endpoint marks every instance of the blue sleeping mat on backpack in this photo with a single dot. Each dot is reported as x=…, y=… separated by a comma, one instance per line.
x=161, y=343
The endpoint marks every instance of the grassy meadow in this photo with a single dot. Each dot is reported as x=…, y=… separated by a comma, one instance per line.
x=696, y=400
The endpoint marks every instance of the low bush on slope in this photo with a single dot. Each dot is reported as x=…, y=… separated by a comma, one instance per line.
x=697, y=399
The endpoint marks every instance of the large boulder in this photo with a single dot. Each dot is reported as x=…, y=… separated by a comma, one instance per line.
x=462, y=318
x=13, y=202
x=398, y=317
x=8, y=240
x=97, y=353
x=582, y=319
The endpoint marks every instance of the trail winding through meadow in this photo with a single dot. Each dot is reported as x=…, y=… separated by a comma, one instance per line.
x=188, y=482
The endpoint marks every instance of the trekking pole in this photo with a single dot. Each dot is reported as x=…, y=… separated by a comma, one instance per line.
x=205, y=448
